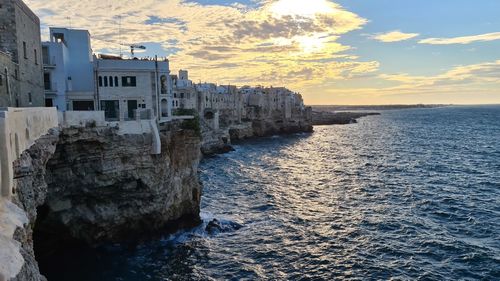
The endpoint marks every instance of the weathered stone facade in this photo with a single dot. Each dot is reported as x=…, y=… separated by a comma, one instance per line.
x=9, y=87
x=20, y=37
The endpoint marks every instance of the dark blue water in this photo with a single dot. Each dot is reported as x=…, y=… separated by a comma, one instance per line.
x=410, y=194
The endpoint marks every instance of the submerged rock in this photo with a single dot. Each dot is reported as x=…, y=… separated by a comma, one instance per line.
x=215, y=226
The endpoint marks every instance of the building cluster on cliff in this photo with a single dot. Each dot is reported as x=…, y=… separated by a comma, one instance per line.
x=66, y=74
x=57, y=91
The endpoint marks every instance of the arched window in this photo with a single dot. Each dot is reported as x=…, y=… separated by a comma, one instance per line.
x=116, y=81
x=100, y=81
x=105, y=81
x=111, y=81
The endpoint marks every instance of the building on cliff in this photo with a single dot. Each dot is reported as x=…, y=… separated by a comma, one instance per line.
x=20, y=61
x=125, y=89
x=127, y=86
x=184, y=93
x=68, y=70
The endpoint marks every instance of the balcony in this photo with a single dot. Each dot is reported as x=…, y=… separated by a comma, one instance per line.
x=49, y=62
x=50, y=88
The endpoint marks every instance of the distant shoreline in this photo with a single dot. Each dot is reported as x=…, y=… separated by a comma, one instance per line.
x=330, y=108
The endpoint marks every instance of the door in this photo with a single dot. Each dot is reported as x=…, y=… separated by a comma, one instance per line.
x=132, y=106
x=111, y=109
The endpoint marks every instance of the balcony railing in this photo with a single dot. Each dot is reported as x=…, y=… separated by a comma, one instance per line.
x=50, y=87
x=49, y=61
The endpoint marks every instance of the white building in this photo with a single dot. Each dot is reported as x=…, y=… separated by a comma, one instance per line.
x=125, y=85
x=184, y=92
x=68, y=70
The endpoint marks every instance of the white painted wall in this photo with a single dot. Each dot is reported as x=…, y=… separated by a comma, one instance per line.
x=148, y=84
x=19, y=129
x=81, y=118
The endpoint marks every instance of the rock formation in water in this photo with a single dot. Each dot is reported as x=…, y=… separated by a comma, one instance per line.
x=93, y=185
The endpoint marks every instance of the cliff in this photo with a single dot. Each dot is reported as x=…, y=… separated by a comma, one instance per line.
x=94, y=185
x=264, y=122
x=31, y=192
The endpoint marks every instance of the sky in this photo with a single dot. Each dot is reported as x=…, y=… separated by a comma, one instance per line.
x=332, y=52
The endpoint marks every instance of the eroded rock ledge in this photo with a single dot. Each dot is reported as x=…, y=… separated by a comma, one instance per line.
x=93, y=185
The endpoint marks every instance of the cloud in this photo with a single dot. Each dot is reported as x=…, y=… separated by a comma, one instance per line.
x=462, y=40
x=289, y=42
x=394, y=36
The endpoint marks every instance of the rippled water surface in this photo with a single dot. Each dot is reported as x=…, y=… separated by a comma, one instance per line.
x=412, y=194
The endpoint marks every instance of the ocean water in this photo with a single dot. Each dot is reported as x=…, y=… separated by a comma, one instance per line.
x=408, y=195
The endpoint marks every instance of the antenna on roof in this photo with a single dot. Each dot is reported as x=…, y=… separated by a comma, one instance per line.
x=120, y=33
x=133, y=47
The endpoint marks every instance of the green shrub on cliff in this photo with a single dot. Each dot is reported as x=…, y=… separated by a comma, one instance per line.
x=189, y=124
x=185, y=112
x=192, y=124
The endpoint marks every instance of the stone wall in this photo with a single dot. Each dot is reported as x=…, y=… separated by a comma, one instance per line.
x=9, y=85
x=21, y=27
x=19, y=129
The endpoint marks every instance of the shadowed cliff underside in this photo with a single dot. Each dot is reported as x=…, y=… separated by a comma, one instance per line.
x=91, y=185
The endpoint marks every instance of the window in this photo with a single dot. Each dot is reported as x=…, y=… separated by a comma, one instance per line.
x=1, y=80
x=83, y=105
x=110, y=81
x=36, y=58
x=116, y=81
x=100, y=81
x=111, y=109
x=30, y=98
x=105, y=81
x=129, y=81
x=24, y=50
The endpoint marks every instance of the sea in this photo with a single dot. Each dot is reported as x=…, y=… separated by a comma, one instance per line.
x=408, y=195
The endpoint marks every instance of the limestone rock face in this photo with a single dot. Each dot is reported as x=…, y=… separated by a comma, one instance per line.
x=106, y=187
x=241, y=131
x=215, y=141
x=93, y=185
x=31, y=191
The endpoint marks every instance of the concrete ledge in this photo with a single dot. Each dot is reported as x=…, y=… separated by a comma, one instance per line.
x=19, y=129
x=81, y=118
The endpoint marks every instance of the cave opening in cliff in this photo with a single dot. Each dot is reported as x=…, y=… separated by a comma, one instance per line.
x=55, y=249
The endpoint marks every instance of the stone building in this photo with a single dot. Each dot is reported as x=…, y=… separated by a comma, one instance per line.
x=20, y=38
x=125, y=85
x=9, y=87
x=184, y=92
x=68, y=70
